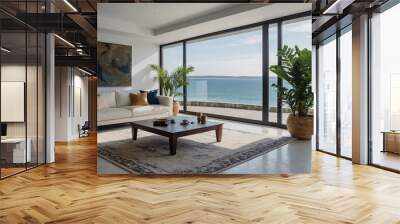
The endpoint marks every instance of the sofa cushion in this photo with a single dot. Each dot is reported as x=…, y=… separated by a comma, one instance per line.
x=151, y=96
x=139, y=99
x=113, y=114
x=107, y=99
x=122, y=98
x=138, y=111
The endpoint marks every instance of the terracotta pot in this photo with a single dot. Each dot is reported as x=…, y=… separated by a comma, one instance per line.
x=175, y=108
x=300, y=127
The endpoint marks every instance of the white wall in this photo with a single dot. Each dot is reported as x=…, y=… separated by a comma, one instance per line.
x=80, y=82
x=70, y=81
x=61, y=104
x=144, y=53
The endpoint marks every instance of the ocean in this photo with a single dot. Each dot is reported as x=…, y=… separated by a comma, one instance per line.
x=229, y=89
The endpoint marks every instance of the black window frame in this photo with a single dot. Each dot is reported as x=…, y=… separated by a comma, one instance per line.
x=265, y=64
x=338, y=33
x=342, y=24
x=380, y=9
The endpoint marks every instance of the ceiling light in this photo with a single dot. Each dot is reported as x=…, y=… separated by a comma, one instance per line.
x=84, y=71
x=5, y=50
x=65, y=41
x=70, y=5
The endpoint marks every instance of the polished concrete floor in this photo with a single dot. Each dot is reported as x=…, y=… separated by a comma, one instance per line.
x=292, y=158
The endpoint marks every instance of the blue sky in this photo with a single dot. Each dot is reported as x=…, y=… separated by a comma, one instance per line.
x=236, y=54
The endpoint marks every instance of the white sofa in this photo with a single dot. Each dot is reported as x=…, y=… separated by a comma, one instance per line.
x=115, y=108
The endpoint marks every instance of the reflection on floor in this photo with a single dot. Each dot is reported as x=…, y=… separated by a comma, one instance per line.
x=10, y=171
x=386, y=159
x=292, y=158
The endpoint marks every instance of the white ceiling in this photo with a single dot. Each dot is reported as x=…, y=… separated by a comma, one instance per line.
x=168, y=22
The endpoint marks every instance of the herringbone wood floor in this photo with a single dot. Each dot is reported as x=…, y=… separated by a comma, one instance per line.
x=69, y=191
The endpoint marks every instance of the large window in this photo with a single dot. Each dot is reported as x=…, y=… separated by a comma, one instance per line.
x=231, y=77
x=385, y=89
x=228, y=74
x=273, y=78
x=327, y=95
x=346, y=92
x=296, y=32
x=172, y=57
x=334, y=99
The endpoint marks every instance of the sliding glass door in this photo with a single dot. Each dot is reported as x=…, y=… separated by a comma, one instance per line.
x=334, y=98
x=232, y=78
x=171, y=59
x=295, y=32
x=346, y=92
x=385, y=89
x=334, y=95
x=172, y=56
x=228, y=74
x=327, y=96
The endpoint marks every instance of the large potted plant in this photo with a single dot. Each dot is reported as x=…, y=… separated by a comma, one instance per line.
x=172, y=84
x=295, y=68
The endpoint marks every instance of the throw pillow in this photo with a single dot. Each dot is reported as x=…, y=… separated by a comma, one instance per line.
x=122, y=98
x=151, y=96
x=109, y=99
x=139, y=99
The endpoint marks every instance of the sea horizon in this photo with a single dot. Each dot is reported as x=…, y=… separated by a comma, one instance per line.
x=229, y=89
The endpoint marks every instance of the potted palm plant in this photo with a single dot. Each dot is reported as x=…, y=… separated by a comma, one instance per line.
x=295, y=68
x=172, y=84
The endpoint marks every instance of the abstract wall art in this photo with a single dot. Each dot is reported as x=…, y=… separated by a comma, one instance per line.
x=114, y=65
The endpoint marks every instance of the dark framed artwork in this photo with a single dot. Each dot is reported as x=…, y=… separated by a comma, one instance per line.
x=114, y=65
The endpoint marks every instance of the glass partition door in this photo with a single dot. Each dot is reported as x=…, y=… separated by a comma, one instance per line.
x=15, y=146
x=22, y=101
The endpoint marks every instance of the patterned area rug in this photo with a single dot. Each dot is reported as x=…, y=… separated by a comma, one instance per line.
x=196, y=154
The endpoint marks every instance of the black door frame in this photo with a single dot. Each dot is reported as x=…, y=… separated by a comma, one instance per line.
x=338, y=33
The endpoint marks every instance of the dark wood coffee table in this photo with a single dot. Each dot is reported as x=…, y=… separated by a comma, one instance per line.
x=174, y=131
